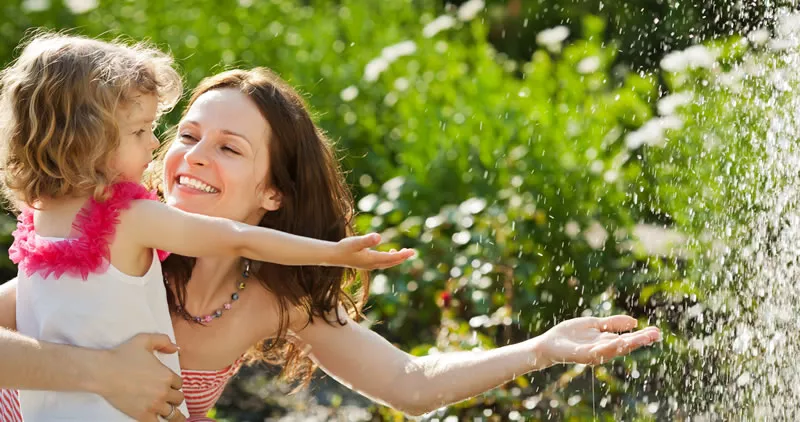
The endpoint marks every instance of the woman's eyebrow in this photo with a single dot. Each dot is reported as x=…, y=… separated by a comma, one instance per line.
x=224, y=131
x=238, y=135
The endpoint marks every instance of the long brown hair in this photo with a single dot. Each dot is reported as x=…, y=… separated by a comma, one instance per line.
x=315, y=202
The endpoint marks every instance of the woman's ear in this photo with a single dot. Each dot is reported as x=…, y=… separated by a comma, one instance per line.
x=271, y=201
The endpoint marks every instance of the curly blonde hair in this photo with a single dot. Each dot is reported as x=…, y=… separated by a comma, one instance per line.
x=58, y=101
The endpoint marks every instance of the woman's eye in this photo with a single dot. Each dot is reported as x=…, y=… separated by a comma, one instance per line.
x=229, y=149
x=139, y=132
x=188, y=138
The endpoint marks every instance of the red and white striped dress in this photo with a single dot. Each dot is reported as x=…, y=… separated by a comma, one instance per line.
x=201, y=389
x=9, y=406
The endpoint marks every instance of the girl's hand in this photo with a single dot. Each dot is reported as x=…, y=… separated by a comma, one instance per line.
x=593, y=341
x=356, y=252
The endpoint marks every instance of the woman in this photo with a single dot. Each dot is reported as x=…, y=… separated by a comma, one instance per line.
x=247, y=149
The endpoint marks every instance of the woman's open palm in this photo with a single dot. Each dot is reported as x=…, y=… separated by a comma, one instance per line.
x=593, y=341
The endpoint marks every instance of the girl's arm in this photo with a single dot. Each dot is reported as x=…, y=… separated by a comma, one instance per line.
x=156, y=225
x=367, y=363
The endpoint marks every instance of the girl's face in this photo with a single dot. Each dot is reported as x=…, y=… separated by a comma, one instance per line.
x=218, y=163
x=136, y=140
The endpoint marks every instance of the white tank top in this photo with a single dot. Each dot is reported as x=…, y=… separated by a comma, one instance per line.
x=59, y=302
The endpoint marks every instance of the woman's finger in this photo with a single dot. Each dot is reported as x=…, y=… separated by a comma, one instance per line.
x=175, y=397
x=167, y=411
x=365, y=242
x=390, y=259
x=623, y=345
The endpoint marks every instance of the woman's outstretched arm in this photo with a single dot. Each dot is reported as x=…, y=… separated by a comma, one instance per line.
x=367, y=363
x=8, y=305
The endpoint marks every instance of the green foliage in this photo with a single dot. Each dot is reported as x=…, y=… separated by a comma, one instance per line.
x=514, y=180
x=645, y=29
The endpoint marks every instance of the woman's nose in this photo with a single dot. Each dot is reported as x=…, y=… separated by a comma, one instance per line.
x=197, y=154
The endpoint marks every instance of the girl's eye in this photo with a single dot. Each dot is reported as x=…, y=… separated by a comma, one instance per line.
x=139, y=132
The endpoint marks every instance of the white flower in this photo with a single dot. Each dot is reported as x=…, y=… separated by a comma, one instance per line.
x=788, y=25
x=470, y=9
x=438, y=25
x=670, y=123
x=779, y=80
x=35, y=5
x=731, y=80
x=572, y=228
x=479, y=321
x=652, y=132
x=700, y=56
x=394, y=184
x=758, y=37
x=553, y=38
x=472, y=205
x=80, y=6
x=374, y=68
x=694, y=57
x=589, y=65
x=751, y=67
x=674, y=62
x=667, y=105
x=611, y=176
x=367, y=203
x=595, y=235
x=379, y=284
x=401, y=84
x=349, y=93
x=781, y=45
x=393, y=52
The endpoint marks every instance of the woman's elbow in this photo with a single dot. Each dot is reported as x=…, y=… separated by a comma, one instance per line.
x=413, y=404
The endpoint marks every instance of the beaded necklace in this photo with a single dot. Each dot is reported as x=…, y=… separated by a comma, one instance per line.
x=225, y=307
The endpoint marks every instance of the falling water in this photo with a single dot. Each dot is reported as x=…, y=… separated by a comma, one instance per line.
x=751, y=244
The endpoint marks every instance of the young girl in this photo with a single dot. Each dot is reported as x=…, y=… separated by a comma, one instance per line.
x=77, y=136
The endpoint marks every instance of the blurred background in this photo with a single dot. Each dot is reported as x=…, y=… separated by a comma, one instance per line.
x=542, y=156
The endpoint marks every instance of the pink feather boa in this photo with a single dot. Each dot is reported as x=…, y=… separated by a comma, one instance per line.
x=88, y=253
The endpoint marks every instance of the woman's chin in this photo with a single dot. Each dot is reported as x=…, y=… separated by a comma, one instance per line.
x=191, y=205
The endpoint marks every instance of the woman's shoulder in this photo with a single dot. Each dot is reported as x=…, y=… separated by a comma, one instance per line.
x=296, y=315
x=266, y=308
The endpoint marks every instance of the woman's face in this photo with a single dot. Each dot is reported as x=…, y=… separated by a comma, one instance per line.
x=218, y=163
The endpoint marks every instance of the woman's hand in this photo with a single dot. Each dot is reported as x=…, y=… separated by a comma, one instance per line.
x=135, y=382
x=356, y=252
x=592, y=341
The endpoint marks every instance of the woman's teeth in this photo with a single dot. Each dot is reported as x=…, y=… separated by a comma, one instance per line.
x=196, y=184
